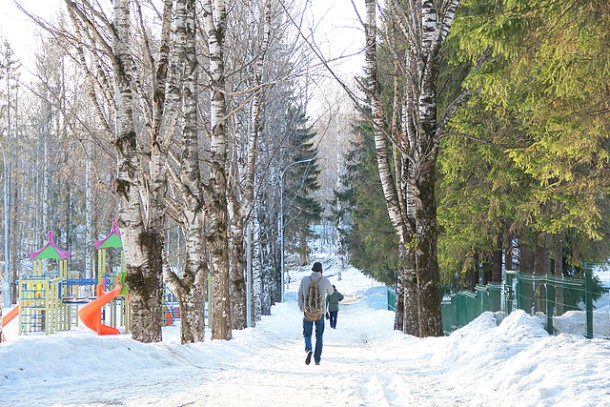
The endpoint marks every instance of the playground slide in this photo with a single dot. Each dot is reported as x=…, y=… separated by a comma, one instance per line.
x=169, y=318
x=9, y=317
x=91, y=314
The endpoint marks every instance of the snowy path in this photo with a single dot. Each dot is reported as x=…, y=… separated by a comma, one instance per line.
x=356, y=370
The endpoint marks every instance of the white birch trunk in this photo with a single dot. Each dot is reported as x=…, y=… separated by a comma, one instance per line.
x=257, y=281
x=46, y=181
x=190, y=288
x=406, y=318
x=214, y=15
x=242, y=208
x=141, y=205
x=142, y=252
x=88, y=212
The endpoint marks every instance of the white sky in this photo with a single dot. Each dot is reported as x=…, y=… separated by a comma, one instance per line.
x=19, y=30
x=364, y=362
x=338, y=31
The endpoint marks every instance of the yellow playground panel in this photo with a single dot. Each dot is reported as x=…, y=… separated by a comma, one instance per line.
x=41, y=308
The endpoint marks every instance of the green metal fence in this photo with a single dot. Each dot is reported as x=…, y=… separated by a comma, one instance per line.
x=554, y=296
x=536, y=294
x=391, y=299
x=464, y=306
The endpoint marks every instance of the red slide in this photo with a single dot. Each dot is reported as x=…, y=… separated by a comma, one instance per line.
x=91, y=314
x=9, y=317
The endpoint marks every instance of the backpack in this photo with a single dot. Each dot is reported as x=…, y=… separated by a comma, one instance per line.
x=313, y=306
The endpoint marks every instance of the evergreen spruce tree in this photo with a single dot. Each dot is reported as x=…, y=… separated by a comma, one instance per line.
x=543, y=174
x=367, y=231
x=300, y=181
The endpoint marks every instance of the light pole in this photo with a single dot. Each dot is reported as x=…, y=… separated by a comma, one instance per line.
x=282, y=221
x=6, y=282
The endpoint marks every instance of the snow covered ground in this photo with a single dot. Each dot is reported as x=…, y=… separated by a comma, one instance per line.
x=364, y=363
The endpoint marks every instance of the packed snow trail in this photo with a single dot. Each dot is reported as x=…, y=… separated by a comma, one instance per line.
x=353, y=372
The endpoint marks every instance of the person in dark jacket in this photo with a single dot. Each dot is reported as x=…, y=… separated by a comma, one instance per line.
x=332, y=305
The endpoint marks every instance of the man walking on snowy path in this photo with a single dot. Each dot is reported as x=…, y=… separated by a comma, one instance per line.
x=314, y=283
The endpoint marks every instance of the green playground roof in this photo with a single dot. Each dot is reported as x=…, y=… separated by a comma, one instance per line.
x=50, y=251
x=112, y=240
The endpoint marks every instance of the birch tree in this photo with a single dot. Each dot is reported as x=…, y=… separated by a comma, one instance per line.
x=9, y=77
x=190, y=287
x=264, y=56
x=214, y=17
x=142, y=245
x=421, y=28
x=241, y=180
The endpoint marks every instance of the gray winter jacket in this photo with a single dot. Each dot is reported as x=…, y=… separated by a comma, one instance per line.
x=326, y=288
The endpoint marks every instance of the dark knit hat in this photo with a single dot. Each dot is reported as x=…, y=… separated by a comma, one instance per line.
x=317, y=266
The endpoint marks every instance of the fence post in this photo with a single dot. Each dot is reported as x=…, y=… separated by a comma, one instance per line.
x=589, y=300
x=508, y=297
x=550, y=306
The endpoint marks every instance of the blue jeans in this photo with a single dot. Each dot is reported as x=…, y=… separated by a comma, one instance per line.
x=333, y=319
x=307, y=331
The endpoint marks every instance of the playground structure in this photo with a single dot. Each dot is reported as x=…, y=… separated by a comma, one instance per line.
x=41, y=306
x=50, y=296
